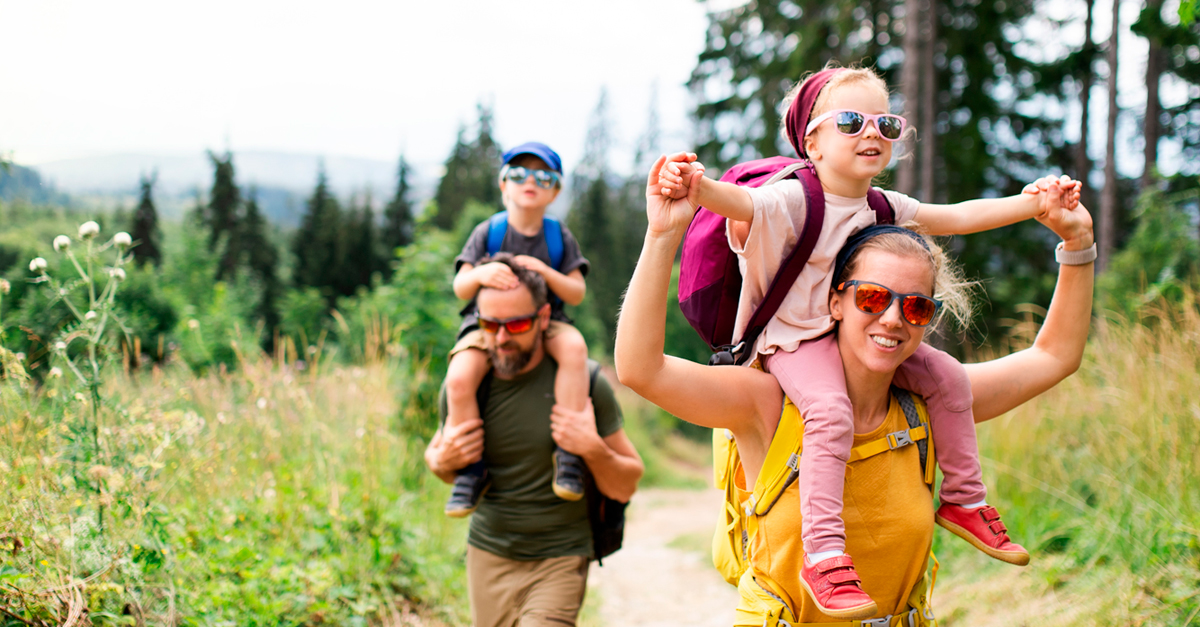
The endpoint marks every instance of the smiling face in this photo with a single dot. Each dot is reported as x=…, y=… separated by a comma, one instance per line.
x=526, y=195
x=855, y=159
x=874, y=346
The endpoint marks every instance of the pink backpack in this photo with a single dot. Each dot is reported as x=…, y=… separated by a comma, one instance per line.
x=710, y=282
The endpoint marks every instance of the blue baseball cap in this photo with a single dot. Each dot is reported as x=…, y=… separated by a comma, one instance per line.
x=539, y=150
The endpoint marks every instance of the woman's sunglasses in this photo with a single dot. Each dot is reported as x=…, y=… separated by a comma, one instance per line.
x=852, y=123
x=874, y=299
x=545, y=179
x=514, y=326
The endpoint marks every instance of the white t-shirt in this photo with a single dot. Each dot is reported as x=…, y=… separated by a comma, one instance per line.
x=779, y=214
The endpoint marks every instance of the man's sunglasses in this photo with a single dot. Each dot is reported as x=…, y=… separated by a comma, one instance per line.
x=514, y=326
x=852, y=123
x=545, y=179
x=874, y=299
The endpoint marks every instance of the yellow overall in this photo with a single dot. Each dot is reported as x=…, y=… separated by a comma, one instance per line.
x=888, y=512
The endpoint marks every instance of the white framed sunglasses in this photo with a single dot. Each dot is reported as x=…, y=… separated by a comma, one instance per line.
x=852, y=123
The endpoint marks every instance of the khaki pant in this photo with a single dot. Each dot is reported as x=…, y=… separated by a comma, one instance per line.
x=508, y=593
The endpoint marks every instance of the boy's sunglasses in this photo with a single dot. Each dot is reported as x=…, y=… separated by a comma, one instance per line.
x=874, y=299
x=545, y=179
x=852, y=123
x=514, y=326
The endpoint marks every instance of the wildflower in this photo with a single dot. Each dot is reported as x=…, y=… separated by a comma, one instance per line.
x=60, y=346
x=91, y=315
x=117, y=273
x=20, y=356
x=61, y=243
x=37, y=264
x=55, y=372
x=5, y=286
x=88, y=229
x=122, y=239
x=262, y=403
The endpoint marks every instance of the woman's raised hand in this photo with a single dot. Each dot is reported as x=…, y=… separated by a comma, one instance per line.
x=664, y=214
x=1073, y=225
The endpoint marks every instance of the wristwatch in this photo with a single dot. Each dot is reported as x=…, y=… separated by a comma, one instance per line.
x=1075, y=257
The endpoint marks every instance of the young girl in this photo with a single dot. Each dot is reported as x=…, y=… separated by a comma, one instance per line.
x=838, y=120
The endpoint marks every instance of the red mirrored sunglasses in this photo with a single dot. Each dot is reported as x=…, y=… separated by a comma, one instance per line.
x=514, y=326
x=874, y=299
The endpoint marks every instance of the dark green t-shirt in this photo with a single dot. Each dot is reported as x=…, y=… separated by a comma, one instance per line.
x=520, y=517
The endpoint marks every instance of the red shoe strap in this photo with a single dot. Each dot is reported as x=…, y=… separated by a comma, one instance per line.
x=834, y=563
x=843, y=577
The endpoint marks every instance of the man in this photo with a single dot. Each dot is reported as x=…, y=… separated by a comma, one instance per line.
x=528, y=550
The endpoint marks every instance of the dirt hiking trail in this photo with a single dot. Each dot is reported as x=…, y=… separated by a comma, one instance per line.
x=663, y=576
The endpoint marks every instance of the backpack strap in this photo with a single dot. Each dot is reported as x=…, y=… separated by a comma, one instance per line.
x=497, y=228
x=814, y=203
x=552, y=228
x=880, y=205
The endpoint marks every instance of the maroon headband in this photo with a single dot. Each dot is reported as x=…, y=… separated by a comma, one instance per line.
x=800, y=112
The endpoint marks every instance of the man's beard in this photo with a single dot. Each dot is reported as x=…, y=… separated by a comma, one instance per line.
x=512, y=364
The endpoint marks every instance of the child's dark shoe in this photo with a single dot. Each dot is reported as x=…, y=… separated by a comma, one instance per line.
x=469, y=488
x=982, y=527
x=568, y=475
x=837, y=589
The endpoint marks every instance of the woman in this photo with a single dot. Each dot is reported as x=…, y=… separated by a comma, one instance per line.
x=892, y=512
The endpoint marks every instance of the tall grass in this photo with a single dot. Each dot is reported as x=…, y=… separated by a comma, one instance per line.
x=283, y=495
x=1100, y=478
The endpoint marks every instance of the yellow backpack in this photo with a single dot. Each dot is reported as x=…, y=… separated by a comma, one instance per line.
x=738, y=520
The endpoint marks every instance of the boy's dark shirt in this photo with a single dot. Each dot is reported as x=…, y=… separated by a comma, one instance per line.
x=518, y=244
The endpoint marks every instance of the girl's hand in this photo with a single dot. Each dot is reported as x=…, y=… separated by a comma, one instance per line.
x=532, y=263
x=1073, y=225
x=497, y=276
x=676, y=174
x=1070, y=192
x=666, y=215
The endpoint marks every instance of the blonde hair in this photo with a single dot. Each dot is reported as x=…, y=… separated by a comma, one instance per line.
x=849, y=76
x=949, y=284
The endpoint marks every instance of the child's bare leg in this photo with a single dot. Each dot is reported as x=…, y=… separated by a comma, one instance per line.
x=944, y=384
x=565, y=344
x=466, y=371
x=813, y=378
x=568, y=348
x=464, y=374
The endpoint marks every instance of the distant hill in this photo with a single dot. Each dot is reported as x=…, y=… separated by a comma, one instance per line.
x=25, y=183
x=283, y=180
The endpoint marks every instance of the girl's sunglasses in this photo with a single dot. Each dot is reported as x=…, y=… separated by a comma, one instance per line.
x=545, y=179
x=874, y=299
x=852, y=123
x=514, y=326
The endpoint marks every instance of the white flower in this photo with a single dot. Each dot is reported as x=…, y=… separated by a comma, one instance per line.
x=55, y=372
x=91, y=315
x=20, y=356
x=61, y=243
x=193, y=324
x=122, y=239
x=37, y=264
x=117, y=274
x=60, y=346
x=5, y=286
x=88, y=229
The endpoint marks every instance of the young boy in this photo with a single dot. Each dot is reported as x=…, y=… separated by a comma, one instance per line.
x=530, y=179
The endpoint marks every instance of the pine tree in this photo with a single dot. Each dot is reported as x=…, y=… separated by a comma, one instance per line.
x=262, y=260
x=318, y=243
x=224, y=203
x=145, y=232
x=471, y=173
x=398, y=215
x=363, y=257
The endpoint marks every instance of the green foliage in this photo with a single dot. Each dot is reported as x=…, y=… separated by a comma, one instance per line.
x=304, y=316
x=472, y=172
x=221, y=214
x=1189, y=10
x=317, y=245
x=1160, y=261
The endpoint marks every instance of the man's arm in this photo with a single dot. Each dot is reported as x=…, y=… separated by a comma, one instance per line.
x=612, y=460
x=454, y=447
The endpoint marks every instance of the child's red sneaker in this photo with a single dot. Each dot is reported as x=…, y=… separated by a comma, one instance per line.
x=837, y=589
x=982, y=527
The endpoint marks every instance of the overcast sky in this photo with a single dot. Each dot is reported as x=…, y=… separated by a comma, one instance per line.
x=353, y=78
x=358, y=78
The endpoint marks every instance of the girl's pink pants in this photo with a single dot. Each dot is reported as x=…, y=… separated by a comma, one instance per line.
x=813, y=377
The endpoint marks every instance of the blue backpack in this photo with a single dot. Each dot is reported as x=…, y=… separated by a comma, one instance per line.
x=498, y=227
